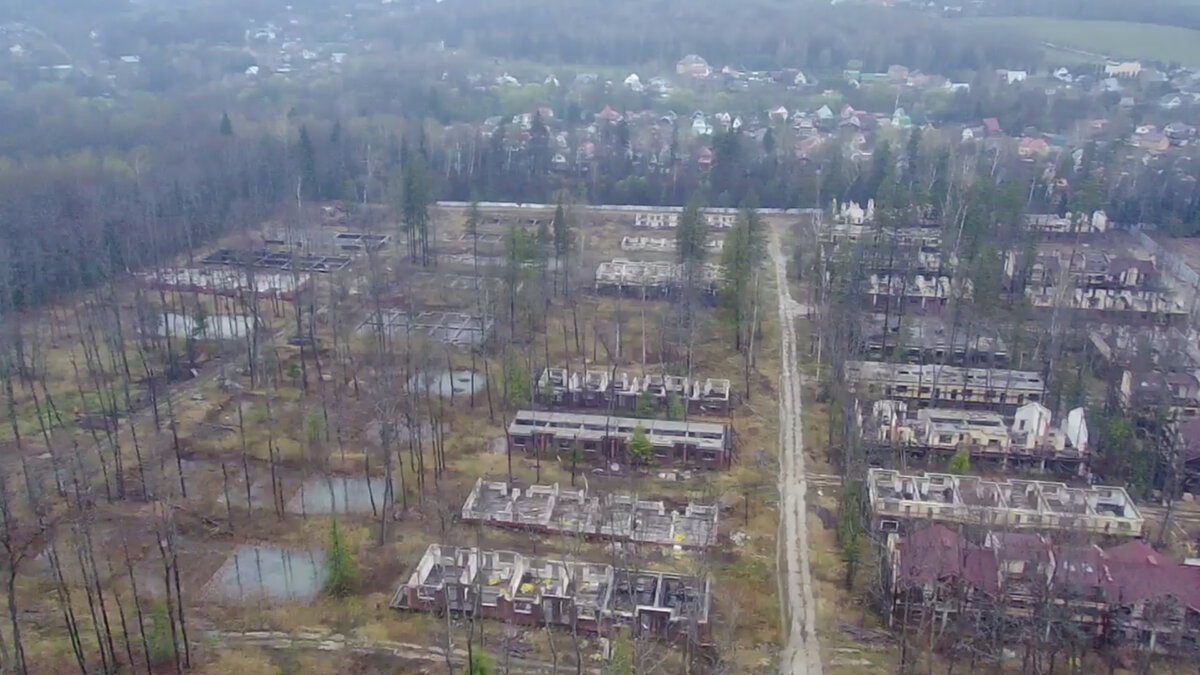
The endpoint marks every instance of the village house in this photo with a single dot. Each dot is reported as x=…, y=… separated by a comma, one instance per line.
x=1123, y=69
x=693, y=65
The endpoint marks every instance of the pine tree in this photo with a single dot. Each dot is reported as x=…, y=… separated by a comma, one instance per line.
x=675, y=409
x=308, y=164
x=647, y=405
x=226, y=125
x=639, y=449
x=339, y=563
x=691, y=237
x=960, y=463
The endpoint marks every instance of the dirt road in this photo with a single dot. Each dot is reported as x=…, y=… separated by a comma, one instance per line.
x=801, y=655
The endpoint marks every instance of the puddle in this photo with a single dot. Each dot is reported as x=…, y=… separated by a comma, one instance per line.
x=339, y=495
x=267, y=573
x=440, y=383
x=220, y=327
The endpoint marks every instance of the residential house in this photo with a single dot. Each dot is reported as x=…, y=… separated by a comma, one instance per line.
x=1032, y=148
x=1062, y=75
x=1170, y=101
x=800, y=79
x=1154, y=141
x=1125, y=69
x=779, y=114
x=693, y=65
x=897, y=74
x=608, y=115
x=938, y=385
x=700, y=125
x=992, y=126
x=824, y=113
x=1014, y=76
x=634, y=83
x=704, y=157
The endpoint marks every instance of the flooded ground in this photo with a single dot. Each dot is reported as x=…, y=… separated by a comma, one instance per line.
x=339, y=494
x=266, y=573
x=219, y=327
x=442, y=383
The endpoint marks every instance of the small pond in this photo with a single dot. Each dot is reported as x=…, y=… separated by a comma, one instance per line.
x=267, y=573
x=441, y=383
x=339, y=494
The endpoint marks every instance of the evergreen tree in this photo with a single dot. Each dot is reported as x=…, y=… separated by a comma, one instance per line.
x=415, y=207
x=647, y=404
x=308, y=165
x=675, y=409
x=639, y=448
x=339, y=564
x=960, y=463
x=226, y=125
x=691, y=237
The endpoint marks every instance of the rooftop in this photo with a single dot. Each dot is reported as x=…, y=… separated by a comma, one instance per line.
x=894, y=374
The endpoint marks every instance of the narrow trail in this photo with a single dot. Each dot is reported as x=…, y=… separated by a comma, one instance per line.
x=802, y=654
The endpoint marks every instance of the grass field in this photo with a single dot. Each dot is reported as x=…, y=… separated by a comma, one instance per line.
x=1113, y=38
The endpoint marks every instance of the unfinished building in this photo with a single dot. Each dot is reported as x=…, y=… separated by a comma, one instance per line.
x=604, y=439
x=615, y=517
x=1127, y=595
x=898, y=500
x=938, y=385
x=454, y=328
x=1148, y=392
x=277, y=260
x=655, y=279
x=663, y=244
x=934, y=435
x=916, y=293
x=1070, y=226
x=1142, y=348
x=1114, y=281
x=669, y=220
x=319, y=241
x=525, y=590
x=622, y=390
x=930, y=340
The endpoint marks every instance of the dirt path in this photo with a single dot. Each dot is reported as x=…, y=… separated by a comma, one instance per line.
x=801, y=655
x=405, y=652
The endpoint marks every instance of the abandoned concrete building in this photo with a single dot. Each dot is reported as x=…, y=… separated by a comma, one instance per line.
x=930, y=339
x=530, y=591
x=603, y=439
x=550, y=509
x=325, y=241
x=1127, y=595
x=663, y=244
x=1142, y=348
x=919, y=293
x=284, y=261
x=1147, y=392
x=621, y=389
x=940, y=385
x=1071, y=225
x=664, y=219
x=933, y=435
x=454, y=328
x=899, y=501
x=1116, y=282
x=654, y=279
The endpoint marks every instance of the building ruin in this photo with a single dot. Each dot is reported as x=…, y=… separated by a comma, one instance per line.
x=655, y=279
x=550, y=509
x=455, y=328
x=603, y=439
x=593, y=598
x=622, y=390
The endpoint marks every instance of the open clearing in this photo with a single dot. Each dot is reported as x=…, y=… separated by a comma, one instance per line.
x=1123, y=39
